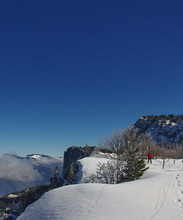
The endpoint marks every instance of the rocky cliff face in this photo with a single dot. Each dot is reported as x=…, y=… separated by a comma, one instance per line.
x=163, y=129
x=71, y=156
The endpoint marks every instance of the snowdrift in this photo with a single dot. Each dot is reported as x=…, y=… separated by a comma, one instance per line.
x=157, y=195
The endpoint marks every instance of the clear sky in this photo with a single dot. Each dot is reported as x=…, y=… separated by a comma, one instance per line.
x=71, y=72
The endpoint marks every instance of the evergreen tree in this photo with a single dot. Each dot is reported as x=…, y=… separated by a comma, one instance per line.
x=135, y=167
x=72, y=174
x=2, y=208
x=125, y=163
x=56, y=180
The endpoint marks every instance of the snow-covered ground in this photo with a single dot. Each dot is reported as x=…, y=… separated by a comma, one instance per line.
x=158, y=195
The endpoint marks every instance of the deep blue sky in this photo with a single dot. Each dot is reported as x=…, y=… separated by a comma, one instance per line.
x=71, y=72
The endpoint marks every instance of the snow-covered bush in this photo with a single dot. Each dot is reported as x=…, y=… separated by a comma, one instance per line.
x=124, y=163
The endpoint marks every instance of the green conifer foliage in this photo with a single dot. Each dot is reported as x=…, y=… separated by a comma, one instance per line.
x=135, y=167
x=56, y=180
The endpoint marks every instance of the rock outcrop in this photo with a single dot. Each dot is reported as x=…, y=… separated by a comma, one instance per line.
x=71, y=156
x=166, y=129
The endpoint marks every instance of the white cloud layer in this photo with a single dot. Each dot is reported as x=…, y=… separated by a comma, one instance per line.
x=12, y=168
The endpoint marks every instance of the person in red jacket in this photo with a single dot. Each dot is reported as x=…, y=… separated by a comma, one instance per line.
x=149, y=157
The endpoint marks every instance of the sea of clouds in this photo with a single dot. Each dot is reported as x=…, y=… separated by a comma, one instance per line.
x=17, y=173
x=12, y=168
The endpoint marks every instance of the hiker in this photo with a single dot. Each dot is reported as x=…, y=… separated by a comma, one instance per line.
x=149, y=157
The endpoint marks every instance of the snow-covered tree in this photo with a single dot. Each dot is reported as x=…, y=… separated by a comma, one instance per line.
x=111, y=172
x=124, y=162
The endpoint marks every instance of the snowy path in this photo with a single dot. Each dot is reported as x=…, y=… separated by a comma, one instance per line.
x=168, y=203
x=157, y=196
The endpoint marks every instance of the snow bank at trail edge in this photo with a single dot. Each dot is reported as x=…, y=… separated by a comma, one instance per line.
x=157, y=196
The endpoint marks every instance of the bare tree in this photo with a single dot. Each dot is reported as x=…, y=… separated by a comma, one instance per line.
x=113, y=145
x=145, y=145
x=164, y=157
x=180, y=151
x=124, y=162
x=165, y=152
x=111, y=172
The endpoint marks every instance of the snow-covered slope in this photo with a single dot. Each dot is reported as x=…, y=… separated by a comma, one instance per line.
x=17, y=173
x=157, y=196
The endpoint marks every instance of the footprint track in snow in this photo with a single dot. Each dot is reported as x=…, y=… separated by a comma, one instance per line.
x=180, y=192
x=96, y=201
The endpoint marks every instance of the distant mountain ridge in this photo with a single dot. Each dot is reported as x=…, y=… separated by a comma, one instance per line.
x=37, y=156
x=18, y=173
x=166, y=129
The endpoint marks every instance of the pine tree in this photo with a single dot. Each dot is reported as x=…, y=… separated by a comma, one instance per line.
x=125, y=163
x=56, y=180
x=71, y=173
x=135, y=167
